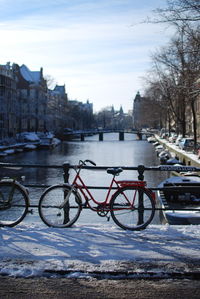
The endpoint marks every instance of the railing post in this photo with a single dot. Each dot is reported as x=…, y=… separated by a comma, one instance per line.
x=139, y=135
x=101, y=136
x=141, y=169
x=66, y=180
x=121, y=136
x=66, y=172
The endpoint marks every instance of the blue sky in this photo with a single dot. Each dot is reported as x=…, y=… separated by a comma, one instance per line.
x=98, y=48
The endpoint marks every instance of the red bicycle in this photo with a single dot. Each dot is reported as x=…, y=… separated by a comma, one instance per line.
x=131, y=206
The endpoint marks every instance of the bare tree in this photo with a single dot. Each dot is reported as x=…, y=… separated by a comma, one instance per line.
x=50, y=81
x=178, y=12
x=176, y=69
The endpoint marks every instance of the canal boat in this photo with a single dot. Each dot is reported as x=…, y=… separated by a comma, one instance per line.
x=164, y=156
x=179, y=196
x=9, y=151
x=151, y=139
x=48, y=142
x=30, y=147
x=2, y=154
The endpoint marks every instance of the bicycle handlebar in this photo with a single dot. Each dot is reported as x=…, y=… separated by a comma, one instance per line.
x=91, y=162
x=81, y=162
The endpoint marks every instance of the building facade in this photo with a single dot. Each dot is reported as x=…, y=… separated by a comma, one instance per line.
x=9, y=110
x=27, y=105
x=57, y=109
x=148, y=113
x=32, y=98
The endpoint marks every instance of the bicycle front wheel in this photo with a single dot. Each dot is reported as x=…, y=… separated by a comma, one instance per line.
x=14, y=203
x=132, y=208
x=55, y=210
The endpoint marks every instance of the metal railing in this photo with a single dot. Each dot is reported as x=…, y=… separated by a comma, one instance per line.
x=140, y=169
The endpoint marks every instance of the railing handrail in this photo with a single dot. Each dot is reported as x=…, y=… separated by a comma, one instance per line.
x=140, y=167
x=13, y=165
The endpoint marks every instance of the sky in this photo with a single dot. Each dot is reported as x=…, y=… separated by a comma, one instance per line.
x=99, y=49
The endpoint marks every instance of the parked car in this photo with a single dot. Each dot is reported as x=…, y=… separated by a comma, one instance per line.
x=165, y=136
x=178, y=139
x=159, y=148
x=173, y=138
x=186, y=143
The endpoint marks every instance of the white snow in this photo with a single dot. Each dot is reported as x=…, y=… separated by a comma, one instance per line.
x=173, y=146
x=29, y=136
x=9, y=151
x=29, y=75
x=33, y=250
x=30, y=146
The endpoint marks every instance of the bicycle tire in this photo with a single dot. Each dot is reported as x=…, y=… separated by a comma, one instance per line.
x=50, y=210
x=127, y=216
x=13, y=207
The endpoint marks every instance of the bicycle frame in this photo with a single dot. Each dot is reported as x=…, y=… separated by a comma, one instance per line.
x=129, y=203
x=79, y=184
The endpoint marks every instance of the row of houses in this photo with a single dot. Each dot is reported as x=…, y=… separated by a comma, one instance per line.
x=26, y=103
x=145, y=114
x=150, y=113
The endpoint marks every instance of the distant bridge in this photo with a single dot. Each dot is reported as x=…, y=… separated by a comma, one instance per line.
x=69, y=135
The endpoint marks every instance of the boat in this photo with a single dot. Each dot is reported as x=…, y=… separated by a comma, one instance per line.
x=18, y=150
x=173, y=161
x=151, y=139
x=164, y=156
x=2, y=154
x=48, y=143
x=179, y=196
x=30, y=147
x=48, y=140
x=159, y=148
x=9, y=151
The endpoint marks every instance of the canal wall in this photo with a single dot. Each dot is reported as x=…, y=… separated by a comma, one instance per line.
x=187, y=158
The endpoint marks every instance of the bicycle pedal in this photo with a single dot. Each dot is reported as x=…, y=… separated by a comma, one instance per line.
x=84, y=205
x=108, y=218
x=30, y=211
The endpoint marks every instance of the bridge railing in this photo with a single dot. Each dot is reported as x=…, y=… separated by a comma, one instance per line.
x=140, y=169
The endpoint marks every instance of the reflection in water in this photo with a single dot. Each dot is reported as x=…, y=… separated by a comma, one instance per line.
x=110, y=152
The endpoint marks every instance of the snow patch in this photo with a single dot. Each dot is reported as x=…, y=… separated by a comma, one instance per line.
x=28, y=251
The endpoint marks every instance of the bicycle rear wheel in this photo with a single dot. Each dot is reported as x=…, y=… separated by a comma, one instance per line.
x=132, y=208
x=52, y=209
x=14, y=203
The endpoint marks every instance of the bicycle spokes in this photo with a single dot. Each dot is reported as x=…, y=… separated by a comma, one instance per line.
x=59, y=206
x=132, y=208
x=13, y=204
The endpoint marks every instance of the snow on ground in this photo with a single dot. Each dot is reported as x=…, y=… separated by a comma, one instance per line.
x=31, y=250
x=189, y=154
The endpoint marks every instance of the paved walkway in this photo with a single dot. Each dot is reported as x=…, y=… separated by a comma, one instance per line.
x=53, y=288
x=95, y=250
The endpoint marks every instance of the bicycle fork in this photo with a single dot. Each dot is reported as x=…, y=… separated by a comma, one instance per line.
x=67, y=194
x=65, y=205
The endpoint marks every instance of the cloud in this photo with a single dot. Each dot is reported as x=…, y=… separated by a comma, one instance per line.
x=91, y=46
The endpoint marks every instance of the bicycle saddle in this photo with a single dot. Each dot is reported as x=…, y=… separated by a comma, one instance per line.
x=114, y=171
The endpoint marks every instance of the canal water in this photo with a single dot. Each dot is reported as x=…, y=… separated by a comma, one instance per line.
x=109, y=152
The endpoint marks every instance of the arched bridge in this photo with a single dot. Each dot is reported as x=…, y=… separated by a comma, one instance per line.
x=73, y=134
